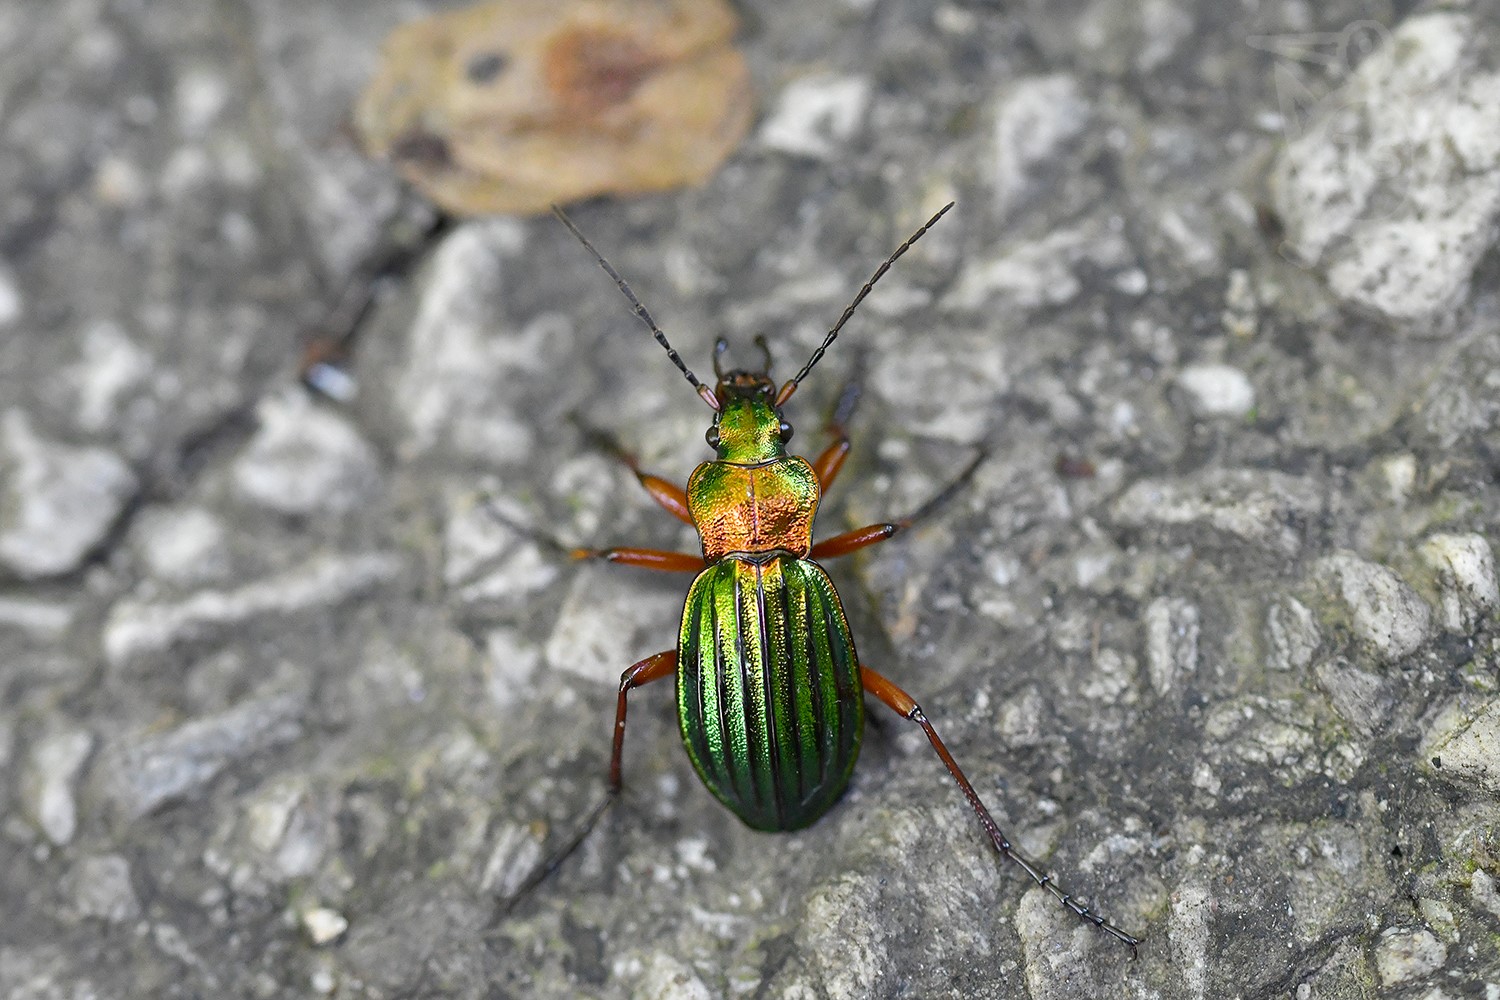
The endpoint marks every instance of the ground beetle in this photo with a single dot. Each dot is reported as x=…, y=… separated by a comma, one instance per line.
x=768, y=683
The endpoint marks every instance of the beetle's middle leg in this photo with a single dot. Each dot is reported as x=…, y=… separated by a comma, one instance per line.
x=859, y=538
x=657, y=559
x=902, y=704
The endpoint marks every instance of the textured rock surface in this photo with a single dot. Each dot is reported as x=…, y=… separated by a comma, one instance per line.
x=292, y=703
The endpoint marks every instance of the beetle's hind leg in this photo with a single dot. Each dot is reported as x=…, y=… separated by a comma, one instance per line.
x=902, y=704
x=859, y=538
x=652, y=668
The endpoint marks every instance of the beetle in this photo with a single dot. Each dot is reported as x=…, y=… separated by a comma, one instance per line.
x=769, y=686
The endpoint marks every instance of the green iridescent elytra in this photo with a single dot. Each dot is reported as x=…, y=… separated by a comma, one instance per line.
x=768, y=694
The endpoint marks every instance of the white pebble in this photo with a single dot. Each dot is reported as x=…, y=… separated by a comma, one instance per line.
x=324, y=925
x=1217, y=390
x=817, y=114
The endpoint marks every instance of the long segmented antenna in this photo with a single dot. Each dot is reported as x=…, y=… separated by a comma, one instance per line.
x=645, y=317
x=791, y=386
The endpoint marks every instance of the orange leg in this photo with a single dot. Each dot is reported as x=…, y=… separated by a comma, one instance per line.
x=671, y=498
x=828, y=464
x=662, y=562
x=902, y=704
x=652, y=668
x=851, y=541
x=859, y=538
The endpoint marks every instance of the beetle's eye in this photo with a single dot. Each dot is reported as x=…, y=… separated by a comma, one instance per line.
x=786, y=432
x=712, y=435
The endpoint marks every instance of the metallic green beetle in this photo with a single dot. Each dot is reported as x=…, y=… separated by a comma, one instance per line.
x=768, y=681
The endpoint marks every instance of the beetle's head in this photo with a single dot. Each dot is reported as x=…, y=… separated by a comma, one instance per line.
x=747, y=426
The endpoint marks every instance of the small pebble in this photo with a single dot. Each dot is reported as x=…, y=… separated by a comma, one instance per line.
x=47, y=787
x=1407, y=953
x=817, y=115
x=1217, y=390
x=324, y=925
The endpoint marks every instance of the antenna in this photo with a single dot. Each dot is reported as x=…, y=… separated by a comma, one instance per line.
x=791, y=386
x=640, y=310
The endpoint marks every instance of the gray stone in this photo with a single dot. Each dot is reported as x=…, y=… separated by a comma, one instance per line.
x=323, y=925
x=136, y=628
x=1036, y=120
x=57, y=501
x=1217, y=390
x=49, y=785
x=1034, y=275
x=666, y=978
x=112, y=367
x=1188, y=934
x=100, y=887
x=41, y=973
x=40, y=618
x=181, y=544
x=1224, y=506
x=1390, y=618
x=604, y=626
x=1294, y=634
x=1465, y=746
x=1407, y=953
x=284, y=827
x=145, y=772
x=11, y=303
x=489, y=558
x=1171, y=643
x=1393, y=189
x=1483, y=892
x=816, y=115
x=515, y=856
x=1358, y=696
x=455, y=369
x=1465, y=568
x=305, y=459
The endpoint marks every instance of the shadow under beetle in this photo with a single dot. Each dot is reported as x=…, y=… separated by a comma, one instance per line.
x=769, y=687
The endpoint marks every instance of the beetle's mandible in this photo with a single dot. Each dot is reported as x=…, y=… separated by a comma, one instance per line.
x=769, y=686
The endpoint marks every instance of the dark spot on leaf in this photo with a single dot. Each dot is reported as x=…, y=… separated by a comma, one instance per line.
x=422, y=148
x=483, y=67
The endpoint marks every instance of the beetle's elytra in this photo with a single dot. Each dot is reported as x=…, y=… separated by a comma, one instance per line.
x=769, y=686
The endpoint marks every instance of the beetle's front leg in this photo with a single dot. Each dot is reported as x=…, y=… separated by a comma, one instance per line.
x=903, y=705
x=668, y=496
